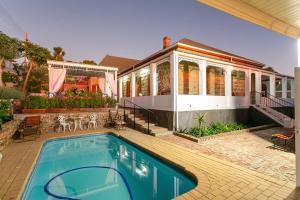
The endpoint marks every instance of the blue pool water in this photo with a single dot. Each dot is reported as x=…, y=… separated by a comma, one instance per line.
x=102, y=166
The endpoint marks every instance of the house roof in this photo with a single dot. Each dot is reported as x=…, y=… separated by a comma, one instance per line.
x=212, y=49
x=119, y=62
x=201, y=49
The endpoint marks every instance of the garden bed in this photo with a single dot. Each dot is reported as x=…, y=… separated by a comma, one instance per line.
x=65, y=110
x=205, y=138
x=36, y=104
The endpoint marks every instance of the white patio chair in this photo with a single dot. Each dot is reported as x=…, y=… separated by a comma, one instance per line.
x=62, y=123
x=93, y=121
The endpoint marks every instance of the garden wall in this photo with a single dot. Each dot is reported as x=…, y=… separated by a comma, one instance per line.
x=8, y=130
x=49, y=120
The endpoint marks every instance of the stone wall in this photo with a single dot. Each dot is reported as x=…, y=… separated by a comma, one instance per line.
x=49, y=120
x=8, y=130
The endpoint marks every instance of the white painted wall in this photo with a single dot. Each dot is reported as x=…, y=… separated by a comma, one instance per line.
x=175, y=102
x=297, y=117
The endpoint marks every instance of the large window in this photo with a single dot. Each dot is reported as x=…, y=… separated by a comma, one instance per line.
x=278, y=87
x=289, y=88
x=163, y=75
x=188, y=78
x=142, y=82
x=126, y=84
x=265, y=85
x=215, y=81
x=238, y=83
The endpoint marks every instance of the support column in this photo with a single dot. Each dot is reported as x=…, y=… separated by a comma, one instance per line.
x=284, y=87
x=228, y=81
x=115, y=85
x=153, y=86
x=203, y=65
x=174, y=88
x=272, y=85
x=293, y=90
x=258, y=81
x=297, y=117
x=132, y=89
x=120, y=88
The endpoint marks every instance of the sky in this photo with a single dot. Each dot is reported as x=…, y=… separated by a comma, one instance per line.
x=90, y=29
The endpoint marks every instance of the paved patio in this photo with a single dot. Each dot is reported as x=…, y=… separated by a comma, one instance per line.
x=217, y=179
x=254, y=151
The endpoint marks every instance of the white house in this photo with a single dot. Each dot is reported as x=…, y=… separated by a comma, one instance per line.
x=187, y=78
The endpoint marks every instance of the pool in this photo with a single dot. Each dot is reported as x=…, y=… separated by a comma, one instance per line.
x=102, y=166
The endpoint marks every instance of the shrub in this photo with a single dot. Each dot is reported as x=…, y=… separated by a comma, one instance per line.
x=10, y=93
x=36, y=103
x=111, y=102
x=5, y=111
x=8, y=77
x=40, y=102
x=214, y=128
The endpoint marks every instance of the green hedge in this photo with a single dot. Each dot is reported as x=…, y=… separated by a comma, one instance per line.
x=44, y=103
x=10, y=93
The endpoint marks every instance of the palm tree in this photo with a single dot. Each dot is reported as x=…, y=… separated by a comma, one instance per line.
x=58, y=53
x=37, y=56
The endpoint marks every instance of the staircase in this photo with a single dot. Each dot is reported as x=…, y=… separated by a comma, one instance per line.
x=279, y=110
x=136, y=120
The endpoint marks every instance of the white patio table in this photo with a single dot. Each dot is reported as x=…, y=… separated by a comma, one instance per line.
x=77, y=122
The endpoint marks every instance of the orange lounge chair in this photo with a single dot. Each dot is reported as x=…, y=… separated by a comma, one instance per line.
x=282, y=136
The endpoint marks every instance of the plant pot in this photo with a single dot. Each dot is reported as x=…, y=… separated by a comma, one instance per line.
x=29, y=111
x=56, y=110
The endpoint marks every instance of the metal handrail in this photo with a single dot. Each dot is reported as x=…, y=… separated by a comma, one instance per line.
x=281, y=100
x=269, y=102
x=145, y=109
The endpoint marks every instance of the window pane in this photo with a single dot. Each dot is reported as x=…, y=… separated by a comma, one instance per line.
x=163, y=79
x=238, y=83
x=265, y=85
x=215, y=81
x=278, y=84
x=126, y=87
x=142, y=82
x=289, y=84
x=289, y=88
x=188, y=78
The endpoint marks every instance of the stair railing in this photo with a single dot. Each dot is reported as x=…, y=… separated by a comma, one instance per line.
x=264, y=100
x=149, y=112
x=281, y=101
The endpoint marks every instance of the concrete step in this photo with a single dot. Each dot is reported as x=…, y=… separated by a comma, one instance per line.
x=161, y=134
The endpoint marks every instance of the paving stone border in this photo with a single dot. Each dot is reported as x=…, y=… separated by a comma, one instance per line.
x=205, y=138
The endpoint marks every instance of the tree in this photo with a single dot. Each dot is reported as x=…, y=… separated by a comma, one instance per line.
x=10, y=49
x=58, y=53
x=89, y=62
x=37, y=56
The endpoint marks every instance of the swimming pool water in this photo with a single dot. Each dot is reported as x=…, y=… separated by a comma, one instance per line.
x=102, y=166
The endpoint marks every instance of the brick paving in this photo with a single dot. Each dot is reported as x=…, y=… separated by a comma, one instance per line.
x=253, y=150
x=216, y=178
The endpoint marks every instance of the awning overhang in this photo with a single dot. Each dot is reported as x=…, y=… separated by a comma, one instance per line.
x=279, y=16
x=81, y=69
